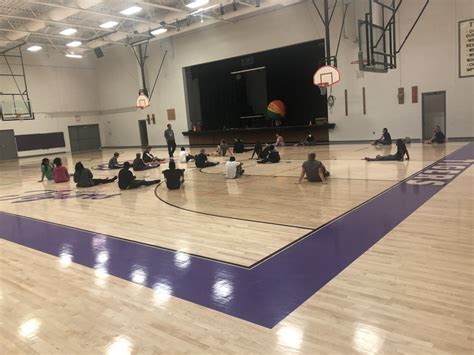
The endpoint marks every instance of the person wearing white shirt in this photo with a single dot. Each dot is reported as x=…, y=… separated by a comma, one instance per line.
x=184, y=156
x=233, y=169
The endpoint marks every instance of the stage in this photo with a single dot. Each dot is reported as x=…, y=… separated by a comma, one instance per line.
x=291, y=134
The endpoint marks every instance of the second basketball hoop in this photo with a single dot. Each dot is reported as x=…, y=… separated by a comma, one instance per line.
x=326, y=75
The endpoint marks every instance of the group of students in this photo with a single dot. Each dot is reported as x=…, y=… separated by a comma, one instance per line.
x=312, y=169
x=402, y=151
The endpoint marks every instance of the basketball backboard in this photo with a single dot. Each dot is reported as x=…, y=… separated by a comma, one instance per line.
x=16, y=110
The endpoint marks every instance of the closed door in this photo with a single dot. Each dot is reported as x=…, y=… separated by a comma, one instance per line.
x=8, y=149
x=143, y=133
x=434, y=112
x=84, y=138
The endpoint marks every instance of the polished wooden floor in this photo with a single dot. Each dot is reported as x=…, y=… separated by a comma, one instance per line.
x=410, y=293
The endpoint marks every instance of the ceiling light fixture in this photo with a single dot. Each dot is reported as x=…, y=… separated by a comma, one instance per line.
x=74, y=44
x=34, y=48
x=159, y=31
x=131, y=10
x=72, y=55
x=68, y=31
x=197, y=3
x=109, y=24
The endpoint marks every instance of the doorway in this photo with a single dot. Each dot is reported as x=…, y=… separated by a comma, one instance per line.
x=143, y=133
x=8, y=150
x=433, y=112
x=84, y=138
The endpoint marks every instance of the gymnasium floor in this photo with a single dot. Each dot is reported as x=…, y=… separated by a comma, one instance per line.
x=373, y=262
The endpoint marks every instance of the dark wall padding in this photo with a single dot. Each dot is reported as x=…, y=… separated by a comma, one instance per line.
x=40, y=141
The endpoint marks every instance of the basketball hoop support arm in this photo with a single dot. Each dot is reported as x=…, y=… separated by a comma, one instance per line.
x=141, y=56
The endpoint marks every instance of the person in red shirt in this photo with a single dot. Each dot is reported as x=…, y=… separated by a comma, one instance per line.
x=60, y=172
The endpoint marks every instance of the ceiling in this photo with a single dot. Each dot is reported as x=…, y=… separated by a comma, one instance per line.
x=39, y=22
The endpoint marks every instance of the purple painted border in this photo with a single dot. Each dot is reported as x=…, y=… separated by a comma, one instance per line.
x=264, y=294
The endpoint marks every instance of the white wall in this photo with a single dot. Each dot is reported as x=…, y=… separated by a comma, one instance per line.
x=60, y=89
x=428, y=60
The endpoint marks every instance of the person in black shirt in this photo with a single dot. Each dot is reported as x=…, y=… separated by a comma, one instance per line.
x=148, y=157
x=84, y=178
x=139, y=164
x=438, y=136
x=385, y=139
x=174, y=177
x=257, y=150
x=309, y=141
x=398, y=156
x=126, y=179
x=272, y=157
x=239, y=146
x=201, y=160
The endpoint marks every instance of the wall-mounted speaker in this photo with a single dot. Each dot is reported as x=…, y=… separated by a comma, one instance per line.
x=98, y=52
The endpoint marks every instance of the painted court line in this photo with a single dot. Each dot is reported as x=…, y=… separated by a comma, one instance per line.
x=271, y=290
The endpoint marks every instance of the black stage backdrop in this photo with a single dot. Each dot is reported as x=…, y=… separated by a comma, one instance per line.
x=218, y=99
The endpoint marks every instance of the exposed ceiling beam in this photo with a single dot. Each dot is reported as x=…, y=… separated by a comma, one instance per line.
x=56, y=23
x=104, y=14
x=158, y=6
x=40, y=34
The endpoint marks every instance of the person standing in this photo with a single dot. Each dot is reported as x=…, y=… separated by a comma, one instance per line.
x=170, y=141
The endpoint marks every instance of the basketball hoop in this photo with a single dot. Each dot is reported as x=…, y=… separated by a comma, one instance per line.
x=326, y=75
x=143, y=101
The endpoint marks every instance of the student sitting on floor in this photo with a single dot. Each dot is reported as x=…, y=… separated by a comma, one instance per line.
x=280, y=142
x=233, y=169
x=257, y=150
x=184, y=156
x=201, y=160
x=398, y=156
x=60, y=172
x=309, y=141
x=148, y=157
x=239, y=146
x=126, y=179
x=84, y=178
x=385, y=139
x=273, y=156
x=174, y=177
x=139, y=165
x=314, y=170
x=113, y=162
x=438, y=136
x=46, y=170
x=223, y=148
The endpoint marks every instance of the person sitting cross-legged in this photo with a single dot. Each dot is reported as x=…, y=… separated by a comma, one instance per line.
x=174, y=177
x=84, y=178
x=127, y=181
x=113, y=162
x=139, y=164
x=314, y=170
x=385, y=138
x=201, y=160
x=438, y=136
x=233, y=169
x=269, y=155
